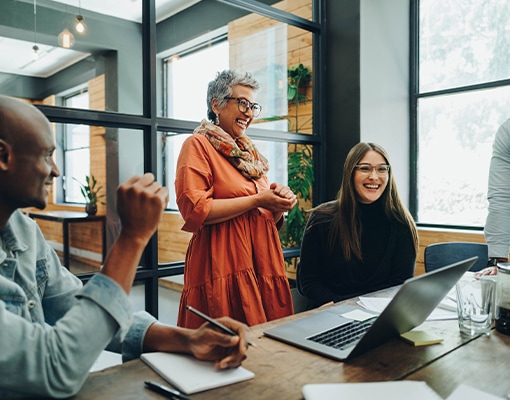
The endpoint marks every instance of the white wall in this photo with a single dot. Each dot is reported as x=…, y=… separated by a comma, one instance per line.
x=384, y=76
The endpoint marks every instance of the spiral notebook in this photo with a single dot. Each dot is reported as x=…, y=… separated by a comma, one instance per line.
x=190, y=375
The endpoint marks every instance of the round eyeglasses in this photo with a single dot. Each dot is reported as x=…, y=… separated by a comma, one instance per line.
x=244, y=105
x=366, y=169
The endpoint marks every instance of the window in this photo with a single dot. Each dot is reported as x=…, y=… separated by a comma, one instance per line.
x=186, y=99
x=462, y=95
x=279, y=56
x=185, y=96
x=275, y=152
x=76, y=151
x=118, y=82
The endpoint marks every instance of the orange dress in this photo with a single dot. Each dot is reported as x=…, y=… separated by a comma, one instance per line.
x=233, y=268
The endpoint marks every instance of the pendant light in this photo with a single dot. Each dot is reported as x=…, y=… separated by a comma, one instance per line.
x=80, y=26
x=35, y=48
x=66, y=39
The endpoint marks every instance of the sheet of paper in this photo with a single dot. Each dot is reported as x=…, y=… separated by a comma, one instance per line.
x=105, y=360
x=190, y=375
x=377, y=304
x=393, y=390
x=465, y=392
x=358, y=315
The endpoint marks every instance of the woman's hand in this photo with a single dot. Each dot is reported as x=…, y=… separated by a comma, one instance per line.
x=279, y=198
x=283, y=191
x=486, y=271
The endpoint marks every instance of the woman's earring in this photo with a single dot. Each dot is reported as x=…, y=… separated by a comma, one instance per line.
x=217, y=120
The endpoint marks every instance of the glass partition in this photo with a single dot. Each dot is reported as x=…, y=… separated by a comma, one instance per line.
x=106, y=62
x=280, y=58
x=42, y=64
x=289, y=163
x=277, y=54
x=84, y=158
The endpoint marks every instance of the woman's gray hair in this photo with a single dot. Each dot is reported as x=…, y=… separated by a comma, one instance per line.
x=222, y=85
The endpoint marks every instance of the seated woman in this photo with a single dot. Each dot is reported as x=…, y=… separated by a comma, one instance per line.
x=363, y=241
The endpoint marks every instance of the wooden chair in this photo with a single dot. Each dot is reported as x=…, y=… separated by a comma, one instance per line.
x=438, y=255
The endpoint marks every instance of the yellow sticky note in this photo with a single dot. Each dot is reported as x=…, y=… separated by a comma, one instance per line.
x=420, y=338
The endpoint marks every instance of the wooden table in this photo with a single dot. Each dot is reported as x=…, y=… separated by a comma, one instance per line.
x=69, y=217
x=483, y=363
x=281, y=370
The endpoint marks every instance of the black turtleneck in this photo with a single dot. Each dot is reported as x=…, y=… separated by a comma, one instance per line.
x=388, y=258
x=375, y=232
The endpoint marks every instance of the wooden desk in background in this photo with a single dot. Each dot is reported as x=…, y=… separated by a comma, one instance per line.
x=281, y=370
x=70, y=217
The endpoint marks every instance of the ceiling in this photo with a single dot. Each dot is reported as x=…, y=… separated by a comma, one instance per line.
x=53, y=59
x=130, y=9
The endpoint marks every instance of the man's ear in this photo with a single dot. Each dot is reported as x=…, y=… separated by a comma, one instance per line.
x=5, y=155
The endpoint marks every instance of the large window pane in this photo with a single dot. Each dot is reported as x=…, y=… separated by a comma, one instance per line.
x=280, y=57
x=107, y=57
x=455, y=144
x=186, y=98
x=275, y=152
x=463, y=42
x=85, y=239
x=76, y=149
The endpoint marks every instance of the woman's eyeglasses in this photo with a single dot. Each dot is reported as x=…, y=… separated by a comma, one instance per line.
x=244, y=105
x=366, y=169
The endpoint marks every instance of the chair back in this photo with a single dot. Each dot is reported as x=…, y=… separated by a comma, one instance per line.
x=438, y=255
x=299, y=301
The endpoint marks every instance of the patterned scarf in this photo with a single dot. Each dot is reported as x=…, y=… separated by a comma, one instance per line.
x=241, y=152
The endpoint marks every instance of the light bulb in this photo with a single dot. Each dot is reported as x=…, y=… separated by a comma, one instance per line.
x=66, y=39
x=80, y=24
x=35, y=55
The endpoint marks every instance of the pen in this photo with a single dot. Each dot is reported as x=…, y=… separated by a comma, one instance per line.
x=216, y=323
x=166, y=391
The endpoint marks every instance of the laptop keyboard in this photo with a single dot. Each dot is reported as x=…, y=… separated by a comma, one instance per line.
x=340, y=337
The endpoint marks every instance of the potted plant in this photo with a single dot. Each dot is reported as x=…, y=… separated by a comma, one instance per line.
x=90, y=192
x=299, y=78
x=300, y=180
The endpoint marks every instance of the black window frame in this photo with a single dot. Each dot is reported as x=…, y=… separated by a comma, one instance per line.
x=150, y=123
x=415, y=95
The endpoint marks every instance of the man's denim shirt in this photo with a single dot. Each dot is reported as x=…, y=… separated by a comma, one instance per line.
x=51, y=328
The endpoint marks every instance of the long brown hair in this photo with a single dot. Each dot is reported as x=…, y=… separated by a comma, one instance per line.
x=345, y=224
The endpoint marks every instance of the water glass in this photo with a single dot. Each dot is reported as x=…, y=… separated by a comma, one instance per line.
x=475, y=303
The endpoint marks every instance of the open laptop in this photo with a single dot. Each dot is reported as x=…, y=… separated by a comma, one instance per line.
x=410, y=307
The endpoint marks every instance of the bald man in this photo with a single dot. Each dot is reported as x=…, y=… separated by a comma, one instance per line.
x=51, y=328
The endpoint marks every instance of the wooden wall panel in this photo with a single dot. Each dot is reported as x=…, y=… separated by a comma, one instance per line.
x=97, y=138
x=172, y=241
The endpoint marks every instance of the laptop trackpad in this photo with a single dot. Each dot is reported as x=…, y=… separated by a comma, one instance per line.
x=321, y=321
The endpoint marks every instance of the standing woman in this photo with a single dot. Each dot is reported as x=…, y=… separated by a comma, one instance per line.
x=234, y=262
x=363, y=241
